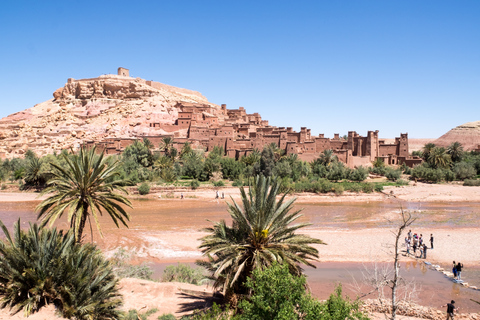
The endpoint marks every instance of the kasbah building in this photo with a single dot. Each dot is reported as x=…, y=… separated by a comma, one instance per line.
x=239, y=133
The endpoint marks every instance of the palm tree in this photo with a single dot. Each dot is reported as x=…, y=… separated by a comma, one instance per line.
x=427, y=149
x=439, y=158
x=164, y=167
x=261, y=233
x=33, y=173
x=252, y=158
x=455, y=150
x=43, y=266
x=166, y=145
x=327, y=157
x=186, y=150
x=148, y=143
x=277, y=152
x=83, y=190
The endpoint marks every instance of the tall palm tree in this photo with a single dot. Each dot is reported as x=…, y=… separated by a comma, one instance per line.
x=252, y=158
x=84, y=189
x=261, y=233
x=439, y=158
x=327, y=157
x=148, y=143
x=455, y=150
x=166, y=145
x=427, y=149
x=277, y=152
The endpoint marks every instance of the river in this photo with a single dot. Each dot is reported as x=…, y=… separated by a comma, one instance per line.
x=163, y=231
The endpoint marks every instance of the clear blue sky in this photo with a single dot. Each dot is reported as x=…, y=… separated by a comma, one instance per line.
x=332, y=66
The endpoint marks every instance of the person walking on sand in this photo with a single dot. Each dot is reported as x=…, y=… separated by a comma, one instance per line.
x=425, y=251
x=454, y=270
x=407, y=245
x=409, y=234
x=431, y=240
x=216, y=195
x=459, y=271
x=450, y=309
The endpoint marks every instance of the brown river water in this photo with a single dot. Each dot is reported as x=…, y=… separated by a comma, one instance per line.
x=175, y=221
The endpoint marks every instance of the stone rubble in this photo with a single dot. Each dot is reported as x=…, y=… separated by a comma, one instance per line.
x=410, y=309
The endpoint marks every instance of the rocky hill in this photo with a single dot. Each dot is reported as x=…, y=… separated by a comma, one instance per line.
x=467, y=134
x=110, y=106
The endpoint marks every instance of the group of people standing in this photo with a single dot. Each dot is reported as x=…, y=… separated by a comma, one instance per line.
x=457, y=270
x=415, y=242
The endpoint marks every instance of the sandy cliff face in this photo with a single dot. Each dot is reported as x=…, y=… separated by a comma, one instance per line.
x=109, y=106
x=467, y=134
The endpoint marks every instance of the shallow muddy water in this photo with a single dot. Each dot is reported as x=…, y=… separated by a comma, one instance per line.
x=169, y=218
x=194, y=214
x=425, y=285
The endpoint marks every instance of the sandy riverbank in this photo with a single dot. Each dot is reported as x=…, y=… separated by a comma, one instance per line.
x=414, y=192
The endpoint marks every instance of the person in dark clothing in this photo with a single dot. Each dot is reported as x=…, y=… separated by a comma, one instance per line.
x=425, y=251
x=454, y=270
x=431, y=241
x=459, y=270
x=450, y=309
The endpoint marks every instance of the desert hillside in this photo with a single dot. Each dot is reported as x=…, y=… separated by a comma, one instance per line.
x=468, y=134
x=112, y=106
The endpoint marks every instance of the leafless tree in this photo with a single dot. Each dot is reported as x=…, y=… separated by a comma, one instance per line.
x=406, y=219
x=381, y=276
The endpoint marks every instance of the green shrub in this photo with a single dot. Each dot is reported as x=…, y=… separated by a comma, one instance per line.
x=214, y=313
x=406, y=169
x=464, y=170
x=393, y=174
x=368, y=187
x=353, y=187
x=183, y=273
x=133, y=314
x=382, y=170
x=41, y=266
x=471, y=183
x=194, y=184
x=338, y=307
x=144, y=189
x=168, y=316
x=359, y=174
x=337, y=171
x=237, y=183
x=450, y=175
x=428, y=174
x=219, y=183
x=378, y=187
x=124, y=269
x=338, y=189
x=401, y=182
x=277, y=294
